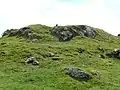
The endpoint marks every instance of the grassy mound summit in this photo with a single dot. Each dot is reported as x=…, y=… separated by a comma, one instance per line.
x=81, y=55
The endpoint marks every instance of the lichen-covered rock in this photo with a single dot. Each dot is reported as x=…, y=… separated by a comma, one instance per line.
x=32, y=60
x=66, y=33
x=78, y=74
x=24, y=32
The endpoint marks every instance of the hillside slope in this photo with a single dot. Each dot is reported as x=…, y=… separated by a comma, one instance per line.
x=15, y=74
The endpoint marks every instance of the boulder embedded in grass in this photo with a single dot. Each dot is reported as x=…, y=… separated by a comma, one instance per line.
x=78, y=74
x=32, y=60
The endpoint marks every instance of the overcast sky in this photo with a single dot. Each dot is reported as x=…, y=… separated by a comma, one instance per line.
x=104, y=14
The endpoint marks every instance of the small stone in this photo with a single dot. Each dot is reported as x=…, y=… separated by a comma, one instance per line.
x=35, y=40
x=94, y=72
x=56, y=58
x=48, y=54
x=32, y=61
x=51, y=54
x=80, y=50
x=102, y=56
x=101, y=49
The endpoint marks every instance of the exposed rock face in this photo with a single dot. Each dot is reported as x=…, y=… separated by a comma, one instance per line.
x=66, y=33
x=114, y=54
x=32, y=61
x=78, y=74
x=22, y=32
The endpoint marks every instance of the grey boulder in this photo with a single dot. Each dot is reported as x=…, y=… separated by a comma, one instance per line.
x=66, y=33
x=78, y=74
x=32, y=60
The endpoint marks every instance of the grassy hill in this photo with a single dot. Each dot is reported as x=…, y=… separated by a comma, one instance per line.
x=50, y=75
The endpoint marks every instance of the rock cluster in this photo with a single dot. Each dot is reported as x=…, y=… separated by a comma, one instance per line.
x=66, y=33
x=22, y=32
x=78, y=74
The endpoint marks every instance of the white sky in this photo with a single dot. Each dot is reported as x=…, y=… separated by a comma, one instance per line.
x=102, y=14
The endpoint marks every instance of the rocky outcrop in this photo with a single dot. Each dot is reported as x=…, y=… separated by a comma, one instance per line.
x=24, y=32
x=77, y=74
x=66, y=33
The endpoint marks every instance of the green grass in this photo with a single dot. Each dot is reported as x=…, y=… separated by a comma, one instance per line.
x=50, y=75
